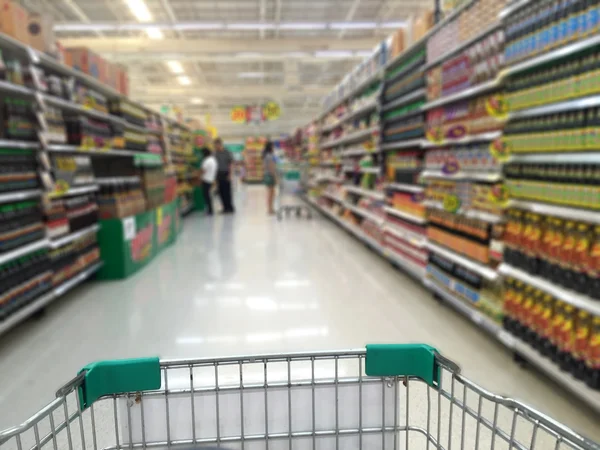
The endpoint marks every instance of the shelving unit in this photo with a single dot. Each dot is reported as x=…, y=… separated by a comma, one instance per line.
x=471, y=176
x=253, y=160
x=78, y=154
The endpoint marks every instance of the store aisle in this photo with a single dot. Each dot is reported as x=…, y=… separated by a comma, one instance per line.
x=248, y=284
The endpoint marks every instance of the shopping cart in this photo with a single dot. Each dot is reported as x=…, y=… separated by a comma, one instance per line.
x=387, y=396
x=292, y=186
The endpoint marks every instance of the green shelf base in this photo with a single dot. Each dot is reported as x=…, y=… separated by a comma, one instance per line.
x=129, y=244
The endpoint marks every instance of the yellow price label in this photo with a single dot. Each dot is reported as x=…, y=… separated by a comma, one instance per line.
x=66, y=164
x=451, y=203
x=272, y=111
x=60, y=187
x=159, y=216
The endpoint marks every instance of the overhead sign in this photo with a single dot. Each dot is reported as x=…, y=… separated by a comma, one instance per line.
x=255, y=113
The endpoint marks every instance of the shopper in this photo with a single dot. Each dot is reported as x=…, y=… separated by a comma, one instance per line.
x=224, y=174
x=270, y=175
x=209, y=175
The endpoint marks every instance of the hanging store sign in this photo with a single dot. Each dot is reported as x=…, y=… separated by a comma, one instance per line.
x=255, y=113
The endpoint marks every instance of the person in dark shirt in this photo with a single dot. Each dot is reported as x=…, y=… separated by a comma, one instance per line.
x=224, y=173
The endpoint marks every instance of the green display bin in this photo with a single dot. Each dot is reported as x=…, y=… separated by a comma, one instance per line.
x=127, y=245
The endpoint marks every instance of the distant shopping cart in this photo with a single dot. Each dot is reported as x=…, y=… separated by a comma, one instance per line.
x=293, y=179
x=389, y=397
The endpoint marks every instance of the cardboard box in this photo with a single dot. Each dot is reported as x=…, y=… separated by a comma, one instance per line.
x=122, y=80
x=112, y=75
x=13, y=20
x=40, y=30
x=86, y=61
x=421, y=25
x=398, y=43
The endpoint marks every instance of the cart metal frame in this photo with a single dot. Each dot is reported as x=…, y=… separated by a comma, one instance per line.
x=384, y=396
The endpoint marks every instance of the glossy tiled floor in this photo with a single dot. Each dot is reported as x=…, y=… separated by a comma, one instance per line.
x=248, y=284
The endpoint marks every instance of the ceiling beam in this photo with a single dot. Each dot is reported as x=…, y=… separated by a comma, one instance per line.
x=168, y=93
x=218, y=46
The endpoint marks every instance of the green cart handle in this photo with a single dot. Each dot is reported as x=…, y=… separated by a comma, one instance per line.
x=411, y=360
x=117, y=377
x=143, y=374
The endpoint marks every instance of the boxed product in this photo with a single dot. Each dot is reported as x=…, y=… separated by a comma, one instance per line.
x=86, y=61
x=13, y=20
x=421, y=25
x=112, y=75
x=40, y=30
x=398, y=43
x=122, y=80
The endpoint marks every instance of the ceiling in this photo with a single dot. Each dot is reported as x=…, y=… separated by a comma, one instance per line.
x=231, y=51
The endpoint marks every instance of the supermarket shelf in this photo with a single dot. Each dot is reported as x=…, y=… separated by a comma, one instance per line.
x=490, y=177
x=96, y=151
x=74, y=107
x=366, y=193
x=370, y=106
x=470, y=92
x=9, y=143
x=405, y=187
x=117, y=180
x=410, y=237
x=471, y=213
x=77, y=279
x=583, y=215
x=576, y=299
x=477, y=267
x=75, y=191
x=357, y=152
x=589, y=157
x=566, y=50
x=493, y=27
x=512, y=7
x=578, y=388
x=333, y=197
x=13, y=88
x=404, y=99
x=24, y=250
x=481, y=320
x=553, y=108
x=360, y=134
x=492, y=135
x=412, y=69
x=414, y=270
x=352, y=93
x=55, y=243
x=405, y=216
x=544, y=365
x=370, y=170
x=17, y=196
x=403, y=144
x=364, y=213
x=411, y=269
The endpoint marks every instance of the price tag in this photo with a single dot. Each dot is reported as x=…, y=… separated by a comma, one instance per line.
x=451, y=203
x=129, y=228
x=495, y=106
x=159, y=216
x=500, y=150
x=60, y=187
x=66, y=164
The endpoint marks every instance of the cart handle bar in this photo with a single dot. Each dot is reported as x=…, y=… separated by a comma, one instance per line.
x=105, y=378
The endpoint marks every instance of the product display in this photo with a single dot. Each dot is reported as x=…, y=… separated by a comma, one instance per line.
x=253, y=160
x=448, y=169
x=73, y=150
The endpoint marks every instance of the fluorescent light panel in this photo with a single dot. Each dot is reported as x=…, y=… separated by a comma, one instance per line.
x=184, y=80
x=139, y=9
x=154, y=33
x=175, y=66
x=143, y=15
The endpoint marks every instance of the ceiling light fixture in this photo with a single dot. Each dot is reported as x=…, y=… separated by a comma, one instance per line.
x=141, y=12
x=175, y=66
x=333, y=54
x=154, y=33
x=196, y=101
x=352, y=25
x=251, y=75
x=184, y=80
